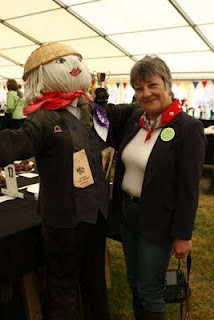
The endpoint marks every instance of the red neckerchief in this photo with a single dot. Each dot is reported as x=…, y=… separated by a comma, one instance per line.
x=54, y=100
x=171, y=112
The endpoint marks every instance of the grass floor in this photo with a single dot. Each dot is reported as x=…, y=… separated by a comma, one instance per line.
x=201, y=277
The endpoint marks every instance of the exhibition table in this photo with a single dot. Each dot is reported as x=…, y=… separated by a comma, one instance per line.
x=21, y=247
x=207, y=122
x=209, y=157
x=20, y=238
x=3, y=122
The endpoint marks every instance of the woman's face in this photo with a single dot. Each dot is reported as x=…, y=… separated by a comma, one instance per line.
x=153, y=96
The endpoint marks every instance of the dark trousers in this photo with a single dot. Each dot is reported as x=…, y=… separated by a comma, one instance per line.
x=146, y=262
x=76, y=264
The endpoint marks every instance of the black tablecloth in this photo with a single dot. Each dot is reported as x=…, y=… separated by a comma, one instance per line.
x=207, y=123
x=20, y=235
x=3, y=123
x=21, y=249
x=209, y=157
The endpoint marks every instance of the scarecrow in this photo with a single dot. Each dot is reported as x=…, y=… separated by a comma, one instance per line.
x=69, y=137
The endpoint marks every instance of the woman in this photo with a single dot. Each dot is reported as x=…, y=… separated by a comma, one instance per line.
x=14, y=105
x=156, y=185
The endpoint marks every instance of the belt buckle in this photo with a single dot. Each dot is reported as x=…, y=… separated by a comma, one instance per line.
x=131, y=197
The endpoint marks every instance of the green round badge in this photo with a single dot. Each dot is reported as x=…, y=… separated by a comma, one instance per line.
x=167, y=134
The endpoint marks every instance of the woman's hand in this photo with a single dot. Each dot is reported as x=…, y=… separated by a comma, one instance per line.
x=180, y=248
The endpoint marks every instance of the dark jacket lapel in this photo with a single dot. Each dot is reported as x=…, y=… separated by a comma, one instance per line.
x=158, y=154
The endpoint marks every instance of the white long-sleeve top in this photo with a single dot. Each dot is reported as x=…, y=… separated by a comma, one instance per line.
x=135, y=157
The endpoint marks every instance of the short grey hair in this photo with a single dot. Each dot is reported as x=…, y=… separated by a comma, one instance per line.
x=150, y=65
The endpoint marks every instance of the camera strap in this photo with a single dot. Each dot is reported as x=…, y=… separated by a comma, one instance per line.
x=188, y=290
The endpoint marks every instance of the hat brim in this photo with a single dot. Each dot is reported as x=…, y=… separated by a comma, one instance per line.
x=46, y=54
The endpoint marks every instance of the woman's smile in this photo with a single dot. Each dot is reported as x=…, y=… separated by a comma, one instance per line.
x=153, y=96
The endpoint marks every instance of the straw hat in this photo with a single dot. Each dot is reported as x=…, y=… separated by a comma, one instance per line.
x=46, y=54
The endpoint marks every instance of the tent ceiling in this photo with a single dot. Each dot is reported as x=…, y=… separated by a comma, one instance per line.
x=111, y=34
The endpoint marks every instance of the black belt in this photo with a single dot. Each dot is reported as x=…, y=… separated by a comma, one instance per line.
x=130, y=198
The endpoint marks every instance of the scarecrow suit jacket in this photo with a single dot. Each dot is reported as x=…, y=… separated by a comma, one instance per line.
x=170, y=189
x=52, y=136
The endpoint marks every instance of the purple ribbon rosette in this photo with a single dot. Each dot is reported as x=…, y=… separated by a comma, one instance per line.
x=102, y=120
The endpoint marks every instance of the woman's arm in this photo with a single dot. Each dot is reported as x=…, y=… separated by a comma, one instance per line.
x=189, y=160
x=180, y=248
x=119, y=116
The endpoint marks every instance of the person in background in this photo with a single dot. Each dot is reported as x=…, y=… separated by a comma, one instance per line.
x=19, y=92
x=14, y=105
x=156, y=184
x=2, y=98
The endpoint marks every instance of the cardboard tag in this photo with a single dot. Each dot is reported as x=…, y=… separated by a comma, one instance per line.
x=11, y=182
x=12, y=193
x=82, y=173
x=107, y=157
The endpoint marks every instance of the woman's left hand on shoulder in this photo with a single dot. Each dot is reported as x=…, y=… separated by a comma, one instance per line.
x=180, y=248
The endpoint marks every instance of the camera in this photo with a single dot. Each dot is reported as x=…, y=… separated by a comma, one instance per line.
x=175, y=286
x=101, y=95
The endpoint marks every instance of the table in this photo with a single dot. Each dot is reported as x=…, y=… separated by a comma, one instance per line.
x=21, y=246
x=20, y=238
x=3, y=122
x=209, y=156
x=207, y=123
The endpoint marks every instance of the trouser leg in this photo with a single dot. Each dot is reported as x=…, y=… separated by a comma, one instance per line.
x=146, y=262
x=62, y=274
x=92, y=277
x=129, y=241
x=153, y=260
x=148, y=315
x=138, y=309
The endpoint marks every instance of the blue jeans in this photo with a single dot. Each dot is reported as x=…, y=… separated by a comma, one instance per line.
x=146, y=262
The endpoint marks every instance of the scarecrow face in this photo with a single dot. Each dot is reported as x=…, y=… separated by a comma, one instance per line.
x=66, y=74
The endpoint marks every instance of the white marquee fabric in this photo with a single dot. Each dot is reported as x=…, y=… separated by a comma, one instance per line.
x=111, y=34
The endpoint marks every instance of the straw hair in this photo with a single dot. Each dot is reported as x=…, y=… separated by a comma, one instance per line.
x=46, y=54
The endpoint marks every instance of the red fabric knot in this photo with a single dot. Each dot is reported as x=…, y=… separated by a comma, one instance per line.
x=54, y=100
x=167, y=115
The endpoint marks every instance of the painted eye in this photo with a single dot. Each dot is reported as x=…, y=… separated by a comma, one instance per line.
x=79, y=59
x=60, y=60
